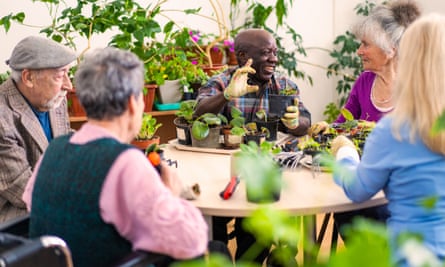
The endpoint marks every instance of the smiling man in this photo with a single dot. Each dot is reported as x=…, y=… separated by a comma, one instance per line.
x=33, y=110
x=249, y=87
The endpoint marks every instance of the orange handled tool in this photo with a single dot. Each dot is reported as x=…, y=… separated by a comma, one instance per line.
x=155, y=160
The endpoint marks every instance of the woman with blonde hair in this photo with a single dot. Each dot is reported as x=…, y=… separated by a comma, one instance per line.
x=401, y=156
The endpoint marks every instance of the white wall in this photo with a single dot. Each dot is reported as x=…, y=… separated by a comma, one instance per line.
x=318, y=21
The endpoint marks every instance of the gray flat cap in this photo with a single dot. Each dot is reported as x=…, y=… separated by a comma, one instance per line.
x=36, y=52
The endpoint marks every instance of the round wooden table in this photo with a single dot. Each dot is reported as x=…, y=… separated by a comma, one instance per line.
x=305, y=192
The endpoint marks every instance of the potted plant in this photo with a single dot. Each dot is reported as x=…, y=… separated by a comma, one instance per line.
x=147, y=132
x=263, y=183
x=255, y=133
x=206, y=130
x=263, y=120
x=234, y=131
x=279, y=102
x=172, y=71
x=184, y=120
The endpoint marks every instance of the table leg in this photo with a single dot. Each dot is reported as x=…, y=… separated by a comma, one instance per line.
x=209, y=222
x=313, y=239
x=309, y=240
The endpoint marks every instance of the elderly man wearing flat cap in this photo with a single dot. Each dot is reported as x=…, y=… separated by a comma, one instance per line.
x=33, y=110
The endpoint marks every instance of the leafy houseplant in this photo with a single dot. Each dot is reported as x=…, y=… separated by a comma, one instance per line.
x=264, y=120
x=263, y=182
x=86, y=18
x=148, y=128
x=237, y=122
x=165, y=62
x=147, y=132
x=186, y=110
x=234, y=131
x=202, y=124
x=205, y=131
x=255, y=133
x=183, y=121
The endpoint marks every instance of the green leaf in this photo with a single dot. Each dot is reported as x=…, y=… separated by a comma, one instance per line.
x=168, y=27
x=212, y=120
x=235, y=112
x=261, y=114
x=237, y=122
x=280, y=11
x=200, y=130
x=222, y=118
x=237, y=131
x=6, y=24
x=347, y=114
x=19, y=17
x=439, y=124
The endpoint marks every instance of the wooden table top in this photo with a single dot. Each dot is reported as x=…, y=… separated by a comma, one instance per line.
x=304, y=192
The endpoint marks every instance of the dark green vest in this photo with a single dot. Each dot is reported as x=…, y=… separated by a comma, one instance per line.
x=65, y=200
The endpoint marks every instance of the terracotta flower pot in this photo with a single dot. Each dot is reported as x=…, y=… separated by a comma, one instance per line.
x=75, y=109
x=143, y=144
x=149, y=96
x=231, y=140
x=214, y=69
x=231, y=58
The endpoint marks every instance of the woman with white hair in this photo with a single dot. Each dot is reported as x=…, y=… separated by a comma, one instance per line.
x=372, y=94
x=402, y=156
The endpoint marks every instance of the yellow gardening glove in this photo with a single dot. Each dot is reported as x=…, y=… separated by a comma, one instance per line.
x=238, y=84
x=339, y=142
x=291, y=117
x=319, y=127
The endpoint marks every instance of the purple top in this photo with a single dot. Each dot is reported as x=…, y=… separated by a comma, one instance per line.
x=359, y=101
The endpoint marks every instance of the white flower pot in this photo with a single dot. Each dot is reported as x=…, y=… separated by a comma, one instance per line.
x=169, y=92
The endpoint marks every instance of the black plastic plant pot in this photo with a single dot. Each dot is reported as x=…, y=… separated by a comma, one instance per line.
x=182, y=132
x=312, y=151
x=279, y=103
x=257, y=138
x=272, y=125
x=254, y=198
x=269, y=194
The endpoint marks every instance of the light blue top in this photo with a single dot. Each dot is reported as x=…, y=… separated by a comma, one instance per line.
x=409, y=174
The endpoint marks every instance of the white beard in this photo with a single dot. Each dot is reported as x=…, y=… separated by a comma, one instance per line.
x=56, y=101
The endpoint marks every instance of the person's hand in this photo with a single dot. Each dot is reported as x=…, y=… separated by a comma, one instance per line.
x=190, y=192
x=291, y=117
x=238, y=84
x=170, y=178
x=319, y=127
x=339, y=142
